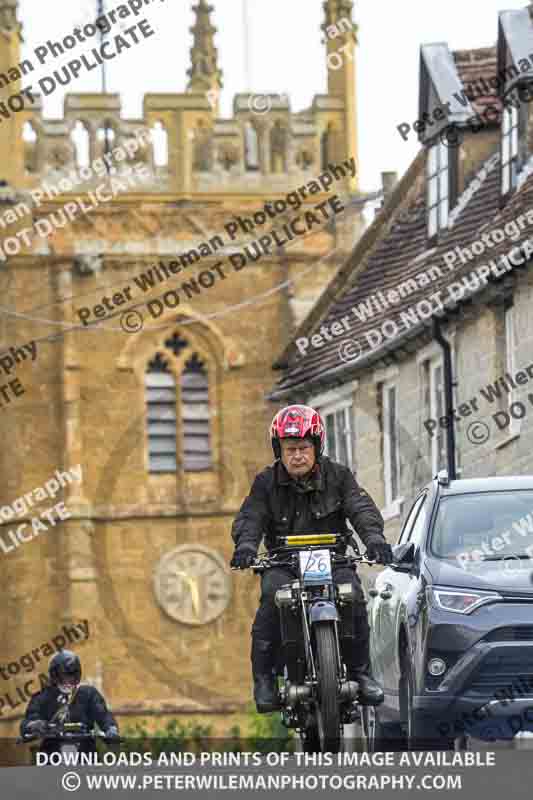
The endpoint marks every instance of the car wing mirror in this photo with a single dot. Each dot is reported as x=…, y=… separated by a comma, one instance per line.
x=403, y=556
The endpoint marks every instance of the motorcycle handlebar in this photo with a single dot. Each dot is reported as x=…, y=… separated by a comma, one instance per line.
x=57, y=732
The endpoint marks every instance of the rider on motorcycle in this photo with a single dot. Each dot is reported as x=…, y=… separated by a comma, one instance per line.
x=66, y=700
x=306, y=492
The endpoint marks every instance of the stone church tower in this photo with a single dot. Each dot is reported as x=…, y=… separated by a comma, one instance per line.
x=163, y=407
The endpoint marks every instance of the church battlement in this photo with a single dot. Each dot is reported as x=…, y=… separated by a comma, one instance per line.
x=263, y=148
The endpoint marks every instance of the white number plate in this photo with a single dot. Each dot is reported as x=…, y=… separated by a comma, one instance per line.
x=315, y=566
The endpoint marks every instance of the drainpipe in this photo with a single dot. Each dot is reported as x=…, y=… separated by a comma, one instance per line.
x=448, y=397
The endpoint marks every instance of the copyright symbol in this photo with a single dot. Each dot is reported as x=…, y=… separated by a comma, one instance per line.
x=478, y=432
x=451, y=137
x=131, y=321
x=259, y=103
x=349, y=350
x=71, y=782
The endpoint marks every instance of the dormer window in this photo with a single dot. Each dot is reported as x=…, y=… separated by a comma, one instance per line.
x=438, y=188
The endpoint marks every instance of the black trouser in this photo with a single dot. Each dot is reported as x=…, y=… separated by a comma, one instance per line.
x=354, y=630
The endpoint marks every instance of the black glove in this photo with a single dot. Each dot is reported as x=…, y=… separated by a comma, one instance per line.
x=244, y=556
x=378, y=549
x=37, y=726
x=111, y=732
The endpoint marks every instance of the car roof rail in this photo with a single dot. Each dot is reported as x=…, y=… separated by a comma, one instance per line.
x=442, y=477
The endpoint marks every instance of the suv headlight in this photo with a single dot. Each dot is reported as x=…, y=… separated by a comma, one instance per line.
x=462, y=601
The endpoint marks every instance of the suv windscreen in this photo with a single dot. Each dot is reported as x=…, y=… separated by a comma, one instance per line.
x=472, y=528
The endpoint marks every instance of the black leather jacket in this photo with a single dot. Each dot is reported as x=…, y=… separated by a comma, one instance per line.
x=277, y=506
x=88, y=707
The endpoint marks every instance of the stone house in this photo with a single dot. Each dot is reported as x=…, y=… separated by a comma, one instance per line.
x=444, y=267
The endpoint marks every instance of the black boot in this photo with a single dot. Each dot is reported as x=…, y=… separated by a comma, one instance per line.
x=265, y=688
x=370, y=692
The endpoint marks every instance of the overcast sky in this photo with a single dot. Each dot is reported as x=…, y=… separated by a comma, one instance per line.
x=286, y=56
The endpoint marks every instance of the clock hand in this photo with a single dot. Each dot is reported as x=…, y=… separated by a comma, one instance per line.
x=193, y=588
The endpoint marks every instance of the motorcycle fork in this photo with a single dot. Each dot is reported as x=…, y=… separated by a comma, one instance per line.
x=307, y=639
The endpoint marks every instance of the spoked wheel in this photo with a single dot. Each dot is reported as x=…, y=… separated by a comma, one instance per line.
x=368, y=728
x=328, y=711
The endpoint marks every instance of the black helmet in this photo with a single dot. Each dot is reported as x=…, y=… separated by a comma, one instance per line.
x=64, y=667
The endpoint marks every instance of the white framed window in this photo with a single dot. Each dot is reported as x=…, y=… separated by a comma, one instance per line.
x=510, y=366
x=391, y=450
x=437, y=409
x=509, y=148
x=438, y=188
x=338, y=419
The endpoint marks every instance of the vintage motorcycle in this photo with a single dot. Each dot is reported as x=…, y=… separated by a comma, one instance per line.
x=315, y=696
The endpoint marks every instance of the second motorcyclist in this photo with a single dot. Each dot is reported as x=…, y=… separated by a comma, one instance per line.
x=67, y=700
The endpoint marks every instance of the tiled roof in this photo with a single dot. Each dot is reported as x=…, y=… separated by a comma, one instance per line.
x=400, y=253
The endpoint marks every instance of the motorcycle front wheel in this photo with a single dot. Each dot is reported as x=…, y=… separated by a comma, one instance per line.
x=328, y=712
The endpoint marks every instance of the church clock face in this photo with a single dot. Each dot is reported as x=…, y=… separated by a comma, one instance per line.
x=192, y=584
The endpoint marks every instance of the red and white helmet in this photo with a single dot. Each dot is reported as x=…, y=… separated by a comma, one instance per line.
x=297, y=422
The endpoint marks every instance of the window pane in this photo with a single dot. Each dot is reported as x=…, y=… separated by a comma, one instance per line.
x=443, y=156
x=159, y=463
x=340, y=422
x=393, y=442
x=330, y=436
x=506, y=149
x=195, y=416
x=432, y=228
x=443, y=184
x=160, y=395
x=432, y=160
x=443, y=209
x=506, y=182
x=432, y=191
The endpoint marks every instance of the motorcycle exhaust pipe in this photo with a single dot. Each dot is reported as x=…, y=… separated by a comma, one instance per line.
x=349, y=690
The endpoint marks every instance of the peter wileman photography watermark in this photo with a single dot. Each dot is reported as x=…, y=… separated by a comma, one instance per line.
x=129, y=177
x=9, y=362
x=76, y=634
x=106, y=50
x=312, y=218
x=13, y=539
x=492, y=392
x=382, y=301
